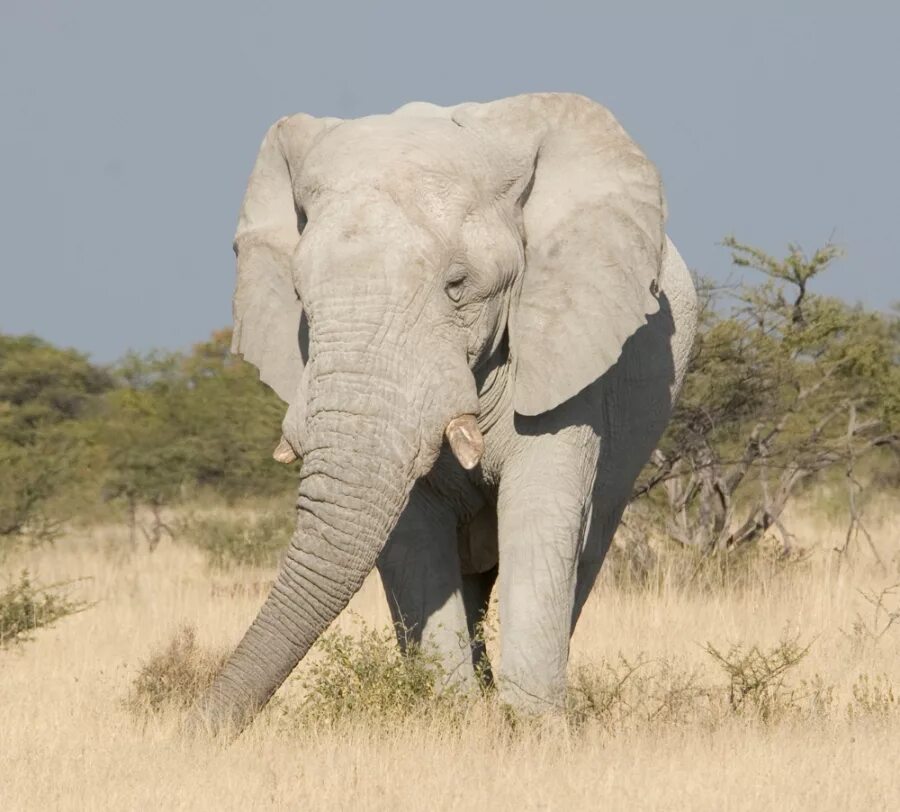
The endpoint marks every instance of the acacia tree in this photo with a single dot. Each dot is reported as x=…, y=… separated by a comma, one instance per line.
x=147, y=456
x=784, y=386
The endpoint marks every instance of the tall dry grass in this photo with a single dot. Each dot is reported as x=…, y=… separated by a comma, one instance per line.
x=70, y=740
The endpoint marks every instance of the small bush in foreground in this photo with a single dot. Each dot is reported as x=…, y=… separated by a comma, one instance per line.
x=236, y=541
x=759, y=687
x=174, y=677
x=25, y=606
x=642, y=691
x=364, y=679
x=757, y=679
x=872, y=697
x=368, y=677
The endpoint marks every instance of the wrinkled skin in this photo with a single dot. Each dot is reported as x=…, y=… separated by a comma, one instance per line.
x=496, y=274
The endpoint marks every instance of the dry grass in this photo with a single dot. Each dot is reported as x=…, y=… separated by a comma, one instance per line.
x=70, y=740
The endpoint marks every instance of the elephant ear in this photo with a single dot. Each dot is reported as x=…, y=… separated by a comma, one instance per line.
x=267, y=309
x=593, y=217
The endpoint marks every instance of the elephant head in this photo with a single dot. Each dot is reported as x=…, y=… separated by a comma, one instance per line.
x=384, y=261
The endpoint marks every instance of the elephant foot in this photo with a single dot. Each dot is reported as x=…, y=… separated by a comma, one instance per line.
x=530, y=701
x=455, y=669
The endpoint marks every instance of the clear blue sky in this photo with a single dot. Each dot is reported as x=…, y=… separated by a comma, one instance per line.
x=129, y=129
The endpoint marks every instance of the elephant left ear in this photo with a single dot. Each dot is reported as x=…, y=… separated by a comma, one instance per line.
x=268, y=327
x=593, y=216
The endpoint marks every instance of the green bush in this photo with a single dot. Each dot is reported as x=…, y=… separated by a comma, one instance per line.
x=367, y=677
x=25, y=606
x=236, y=541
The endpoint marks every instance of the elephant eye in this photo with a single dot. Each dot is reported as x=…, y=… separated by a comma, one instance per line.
x=455, y=287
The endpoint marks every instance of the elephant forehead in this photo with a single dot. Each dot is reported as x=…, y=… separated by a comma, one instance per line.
x=415, y=158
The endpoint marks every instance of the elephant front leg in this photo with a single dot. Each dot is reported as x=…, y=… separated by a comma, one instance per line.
x=542, y=510
x=420, y=570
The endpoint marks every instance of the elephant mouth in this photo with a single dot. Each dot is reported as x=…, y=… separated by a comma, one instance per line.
x=462, y=433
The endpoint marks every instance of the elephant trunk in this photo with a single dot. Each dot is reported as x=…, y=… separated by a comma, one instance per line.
x=354, y=484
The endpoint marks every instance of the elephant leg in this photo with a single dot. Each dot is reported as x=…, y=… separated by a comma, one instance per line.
x=420, y=570
x=542, y=508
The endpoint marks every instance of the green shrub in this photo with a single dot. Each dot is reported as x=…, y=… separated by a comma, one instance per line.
x=25, y=607
x=236, y=541
x=367, y=677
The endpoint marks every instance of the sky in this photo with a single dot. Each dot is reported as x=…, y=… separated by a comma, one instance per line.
x=129, y=129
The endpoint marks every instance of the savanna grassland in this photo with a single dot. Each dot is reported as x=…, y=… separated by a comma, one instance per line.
x=761, y=684
x=741, y=649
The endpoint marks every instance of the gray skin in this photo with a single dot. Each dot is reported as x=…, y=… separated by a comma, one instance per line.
x=505, y=260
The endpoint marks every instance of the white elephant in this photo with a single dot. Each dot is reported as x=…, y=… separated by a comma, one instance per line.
x=480, y=327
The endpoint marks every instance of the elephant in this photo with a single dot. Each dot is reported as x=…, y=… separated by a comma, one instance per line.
x=479, y=327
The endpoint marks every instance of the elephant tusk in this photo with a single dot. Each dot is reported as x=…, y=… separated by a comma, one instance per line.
x=284, y=452
x=465, y=440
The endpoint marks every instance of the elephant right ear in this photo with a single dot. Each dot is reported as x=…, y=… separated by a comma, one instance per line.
x=267, y=309
x=593, y=214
